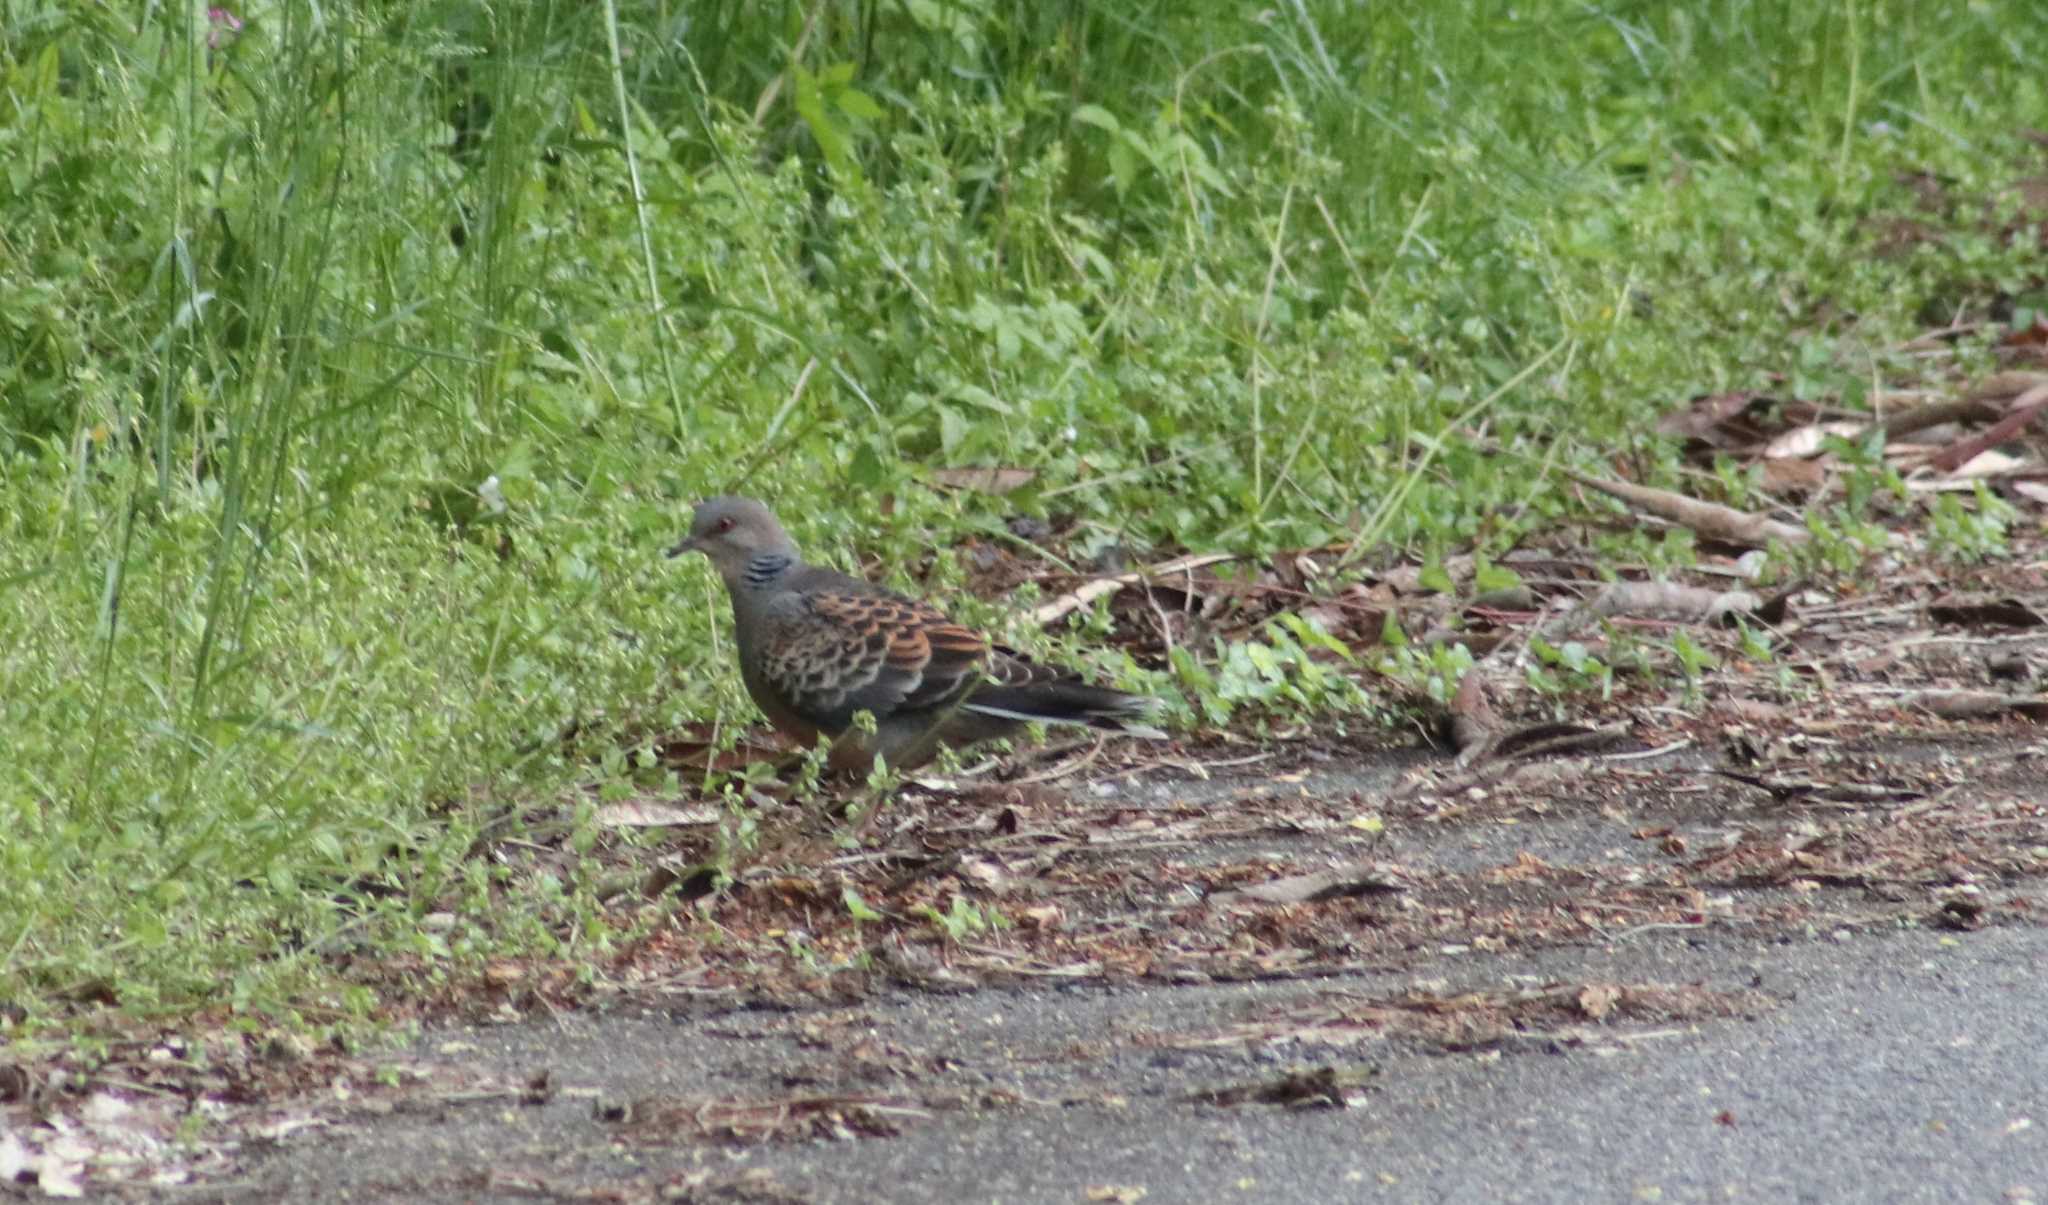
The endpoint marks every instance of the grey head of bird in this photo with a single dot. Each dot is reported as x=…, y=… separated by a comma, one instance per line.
x=735, y=533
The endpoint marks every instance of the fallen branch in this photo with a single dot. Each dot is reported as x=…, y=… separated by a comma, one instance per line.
x=1096, y=588
x=1920, y=418
x=1709, y=519
x=2025, y=408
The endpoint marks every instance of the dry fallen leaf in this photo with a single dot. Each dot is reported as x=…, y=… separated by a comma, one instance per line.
x=1598, y=1000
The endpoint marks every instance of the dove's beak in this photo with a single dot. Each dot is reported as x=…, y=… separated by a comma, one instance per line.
x=686, y=544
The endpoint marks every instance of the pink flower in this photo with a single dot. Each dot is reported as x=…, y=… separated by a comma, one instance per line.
x=223, y=22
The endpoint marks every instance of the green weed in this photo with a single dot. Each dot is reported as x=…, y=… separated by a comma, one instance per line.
x=358, y=362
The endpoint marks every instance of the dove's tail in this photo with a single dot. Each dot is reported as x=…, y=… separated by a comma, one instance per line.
x=1061, y=702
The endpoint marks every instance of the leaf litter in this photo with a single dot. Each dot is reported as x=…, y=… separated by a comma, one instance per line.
x=1882, y=767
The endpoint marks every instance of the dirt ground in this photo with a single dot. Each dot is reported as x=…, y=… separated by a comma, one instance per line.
x=1764, y=927
x=1317, y=977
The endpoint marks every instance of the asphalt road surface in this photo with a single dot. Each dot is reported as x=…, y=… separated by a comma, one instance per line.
x=1902, y=1066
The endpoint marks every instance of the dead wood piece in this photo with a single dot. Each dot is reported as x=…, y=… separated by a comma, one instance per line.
x=1650, y=600
x=1339, y=882
x=1096, y=588
x=1997, y=612
x=1556, y=740
x=2005, y=386
x=1980, y=704
x=650, y=813
x=1325, y=1087
x=1670, y=600
x=1935, y=414
x=1709, y=519
x=1783, y=788
x=2025, y=408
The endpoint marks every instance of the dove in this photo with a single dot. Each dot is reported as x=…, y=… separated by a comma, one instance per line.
x=817, y=647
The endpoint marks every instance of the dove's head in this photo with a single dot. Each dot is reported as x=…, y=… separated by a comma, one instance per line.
x=734, y=533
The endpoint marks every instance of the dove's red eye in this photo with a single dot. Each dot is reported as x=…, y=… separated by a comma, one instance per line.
x=724, y=524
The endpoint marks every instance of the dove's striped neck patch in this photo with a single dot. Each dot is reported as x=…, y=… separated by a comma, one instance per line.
x=766, y=567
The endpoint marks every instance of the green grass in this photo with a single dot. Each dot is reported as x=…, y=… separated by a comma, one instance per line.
x=281, y=299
